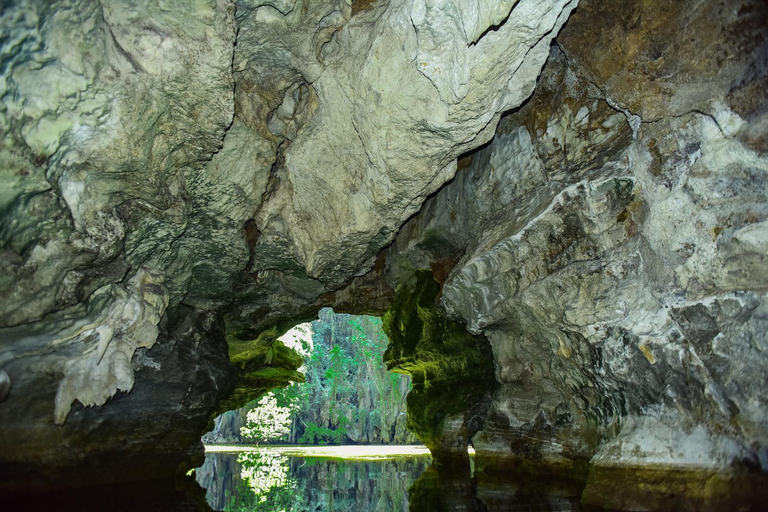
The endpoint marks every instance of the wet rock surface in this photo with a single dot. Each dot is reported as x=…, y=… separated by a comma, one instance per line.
x=189, y=363
x=172, y=202
x=450, y=370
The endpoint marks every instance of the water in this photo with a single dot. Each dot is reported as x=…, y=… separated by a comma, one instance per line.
x=385, y=479
x=364, y=479
x=279, y=479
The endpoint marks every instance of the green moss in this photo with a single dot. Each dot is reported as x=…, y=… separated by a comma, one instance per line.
x=264, y=364
x=452, y=370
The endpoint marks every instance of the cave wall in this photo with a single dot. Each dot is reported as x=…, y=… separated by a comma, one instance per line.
x=610, y=244
x=145, y=434
x=251, y=162
x=451, y=371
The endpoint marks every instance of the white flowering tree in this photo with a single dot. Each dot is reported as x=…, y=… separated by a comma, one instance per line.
x=268, y=421
x=267, y=476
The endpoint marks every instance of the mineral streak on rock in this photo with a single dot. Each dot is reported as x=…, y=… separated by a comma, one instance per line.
x=180, y=183
x=5, y=385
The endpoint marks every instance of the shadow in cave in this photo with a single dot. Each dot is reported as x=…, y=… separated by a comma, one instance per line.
x=464, y=490
x=182, y=494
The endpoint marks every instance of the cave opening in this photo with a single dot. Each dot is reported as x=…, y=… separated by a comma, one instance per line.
x=348, y=396
x=583, y=295
x=339, y=436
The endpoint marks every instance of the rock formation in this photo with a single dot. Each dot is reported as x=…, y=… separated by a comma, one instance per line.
x=183, y=183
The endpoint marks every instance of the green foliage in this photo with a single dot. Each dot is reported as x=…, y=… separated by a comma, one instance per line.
x=271, y=365
x=268, y=421
x=322, y=435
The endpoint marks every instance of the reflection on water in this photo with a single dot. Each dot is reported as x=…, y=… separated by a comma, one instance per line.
x=264, y=482
x=275, y=479
x=268, y=480
x=442, y=490
x=281, y=479
x=271, y=479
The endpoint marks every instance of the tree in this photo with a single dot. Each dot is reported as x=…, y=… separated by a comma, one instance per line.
x=268, y=421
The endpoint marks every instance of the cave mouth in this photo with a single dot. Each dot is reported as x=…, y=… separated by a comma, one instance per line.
x=348, y=396
x=344, y=426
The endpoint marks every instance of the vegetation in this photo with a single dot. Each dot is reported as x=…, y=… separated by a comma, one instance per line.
x=348, y=397
x=268, y=421
x=321, y=435
x=452, y=370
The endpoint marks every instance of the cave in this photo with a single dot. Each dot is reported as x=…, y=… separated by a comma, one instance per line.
x=558, y=208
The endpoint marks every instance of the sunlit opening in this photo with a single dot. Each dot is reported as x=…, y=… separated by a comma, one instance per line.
x=350, y=410
x=349, y=397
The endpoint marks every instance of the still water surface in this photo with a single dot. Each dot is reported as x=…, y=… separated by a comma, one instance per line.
x=367, y=479
x=291, y=480
x=380, y=479
x=279, y=479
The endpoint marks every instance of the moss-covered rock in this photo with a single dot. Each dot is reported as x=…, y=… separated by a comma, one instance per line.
x=264, y=363
x=452, y=370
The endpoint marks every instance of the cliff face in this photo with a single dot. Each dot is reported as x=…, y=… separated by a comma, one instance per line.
x=609, y=243
x=169, y=195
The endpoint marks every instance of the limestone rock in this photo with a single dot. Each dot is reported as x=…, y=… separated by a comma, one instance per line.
x=176, y=385
x=606, y=244
x=129, y=323
x=103, y=104
x=114, y=120
x=609, y=244
x=368, y=153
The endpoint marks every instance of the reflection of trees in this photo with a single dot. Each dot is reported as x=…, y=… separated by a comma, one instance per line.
x=271, y=482
x=265, y=482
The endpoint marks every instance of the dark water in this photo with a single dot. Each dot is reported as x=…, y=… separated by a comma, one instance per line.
x=274, y=482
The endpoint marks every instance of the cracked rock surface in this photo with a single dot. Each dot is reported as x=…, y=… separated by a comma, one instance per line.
x=151, y=165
